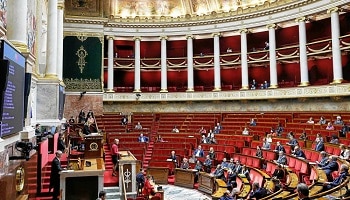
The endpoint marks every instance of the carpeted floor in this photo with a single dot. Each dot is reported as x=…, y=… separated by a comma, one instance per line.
x=172, y=192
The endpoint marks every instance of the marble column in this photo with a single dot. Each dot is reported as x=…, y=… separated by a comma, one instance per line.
x=17, y=24
x=110, y=67
x=190, y=84
x=60, y=11
x=51, y=52
x=272, y=56
x=336, y=52
x=163, y=64
x=304, y=73
x=137, y=83
x=244, y=59
x=217, y=74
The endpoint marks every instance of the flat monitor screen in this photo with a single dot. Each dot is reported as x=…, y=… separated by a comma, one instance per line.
x=13, y=96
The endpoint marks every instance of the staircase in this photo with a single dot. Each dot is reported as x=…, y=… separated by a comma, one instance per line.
x=149, y=150
x=113, y=193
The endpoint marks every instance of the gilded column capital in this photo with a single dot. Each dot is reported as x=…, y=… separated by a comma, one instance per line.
x=243, y=30
x=189, y=37
x=109, y=37
x=216, y=34
x=60, y=5
x=163, y=37
x=136, y=38
x=272, y=26
x=332, y=10
x=300, y=19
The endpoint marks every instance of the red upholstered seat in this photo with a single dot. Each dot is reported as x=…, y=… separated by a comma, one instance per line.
x=291, y=162
x=249, y=161
x=308, y=180
x=270, y=155
x=246, y=151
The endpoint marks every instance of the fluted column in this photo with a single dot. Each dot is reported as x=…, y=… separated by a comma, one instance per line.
x=190, y=85
x=60, y=11
x=51, y=51
x=336, y=52
x=272, y=56
x=304, y=73
x=244, y=59
x=163, y=57
x=137, y=83
x=110, y=68
x=17, y=24
x=217, y=74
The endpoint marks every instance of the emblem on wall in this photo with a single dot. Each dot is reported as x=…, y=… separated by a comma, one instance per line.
x=81, y=53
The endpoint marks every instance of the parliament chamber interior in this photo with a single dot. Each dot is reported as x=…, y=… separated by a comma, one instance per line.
x=167, y=100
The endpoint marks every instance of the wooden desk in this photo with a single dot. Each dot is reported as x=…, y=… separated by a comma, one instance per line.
x=246, y=187
x=184, y=177
x=88, y=182
x=321, y=176
x=206, y=183
x=160, y=174
x=221, y=188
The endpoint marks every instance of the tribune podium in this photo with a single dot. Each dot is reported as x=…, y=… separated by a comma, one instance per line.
x=93, y=146
x=129, y=166
x=83, y=183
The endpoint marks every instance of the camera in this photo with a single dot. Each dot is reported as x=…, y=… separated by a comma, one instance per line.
x=24, y=148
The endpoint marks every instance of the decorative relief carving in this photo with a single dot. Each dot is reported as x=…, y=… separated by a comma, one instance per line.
x=81, y=53
x=78, y=85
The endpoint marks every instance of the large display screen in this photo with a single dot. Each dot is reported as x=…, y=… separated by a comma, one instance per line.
x=13, y=96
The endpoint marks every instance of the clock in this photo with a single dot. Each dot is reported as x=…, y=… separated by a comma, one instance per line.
x=20, y=173
x=93, y=146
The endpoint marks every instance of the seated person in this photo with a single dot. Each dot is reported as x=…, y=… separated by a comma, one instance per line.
x=330, y=126
x=279, y=129
x=278, y=174
x=330, y=167
x=344, y=152
x=266, y=144
x=282, y=159
x=142, y=138
x=252, y=122
x=303, y=136
x=207, y=164
x=81, y=116
x=338, y=121
x=219, y=173
x=238, y=168
x=204, y=140
x=337, y=181
x=319, y=145
x=218, y=126
x=198, y=153
x=175, y=130
x=90, y=120
x=231, y=176
x=231, y=165
x=245, y=172
x=138, y=126
x=202, y=131
x=61, y=145
x=257, y=192
x=310, y=121
x=297, y=152
x=245, y=131
x=234, y=190
x=279, y=147
x=124, y=120
x=148, y=188
x=334, y=139
x=224, y=163
x=324, y=159
x=259, y=152
x=185, y=164
x=344, y=130
x=211, y=153
x=86, y=129
x=159, y=138
x=322, y=121
x=226, y=196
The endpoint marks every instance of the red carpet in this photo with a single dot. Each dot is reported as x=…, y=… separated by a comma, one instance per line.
x=109, y=180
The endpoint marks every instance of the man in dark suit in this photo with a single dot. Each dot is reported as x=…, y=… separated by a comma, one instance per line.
x=279, y=148
x=55, y=175
x=342, y=176
x=61, y=145
x=278, y=174
x=257, y=191
x=219, y=173
x=198, y=152
x=173, y=157
x=324, y=159
x=319, y=145
x=331, y=167
x=303, y=191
